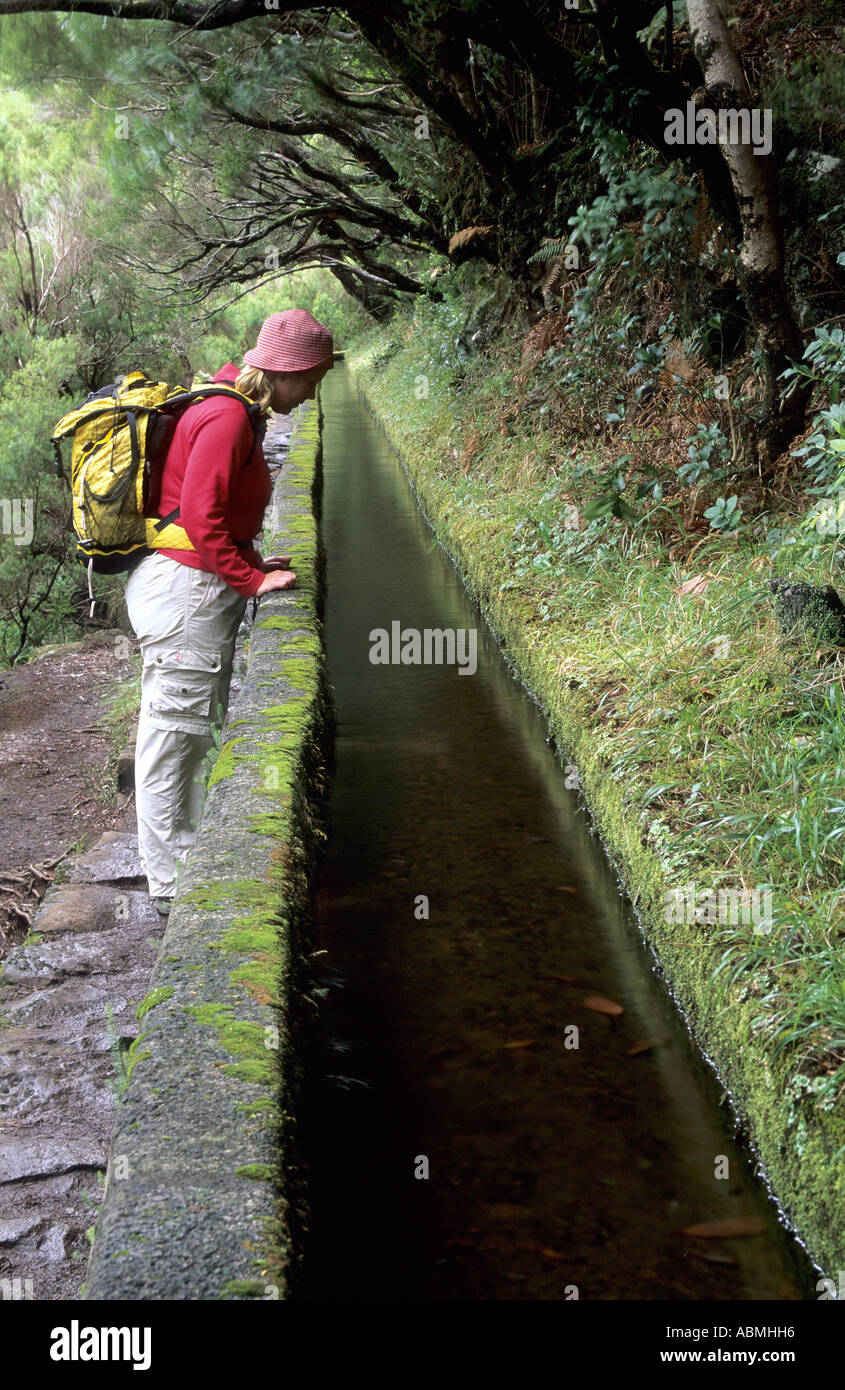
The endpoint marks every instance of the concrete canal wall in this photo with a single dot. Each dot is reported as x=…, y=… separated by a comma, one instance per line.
x=200, y=1199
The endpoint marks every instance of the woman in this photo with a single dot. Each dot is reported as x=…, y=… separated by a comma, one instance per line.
x=186, y=606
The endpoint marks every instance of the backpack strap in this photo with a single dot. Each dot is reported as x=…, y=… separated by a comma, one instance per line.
x=202, y=393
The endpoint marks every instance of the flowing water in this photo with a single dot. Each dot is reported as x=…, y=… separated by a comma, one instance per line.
x=460, y=1144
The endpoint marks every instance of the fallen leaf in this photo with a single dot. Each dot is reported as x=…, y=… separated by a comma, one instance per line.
x=603, y=1006
x=695, y=586
x=569, y=980
x=731, y=1226
x=450, y=1050
x=562, y=889
x=640, y=1047
x=524, y=1042
x=551, y=1254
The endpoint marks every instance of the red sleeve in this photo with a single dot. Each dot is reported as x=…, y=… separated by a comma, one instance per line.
x=218, y=446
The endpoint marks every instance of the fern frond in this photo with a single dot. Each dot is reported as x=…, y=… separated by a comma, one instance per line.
x=549, y=247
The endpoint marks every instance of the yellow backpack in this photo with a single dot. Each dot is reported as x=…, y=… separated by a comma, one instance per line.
x=121, y=435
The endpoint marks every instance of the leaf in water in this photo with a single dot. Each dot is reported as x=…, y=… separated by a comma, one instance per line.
x=551, y=1254
x=561, y=888
x=731, y=1226
x=449, y=1050
x=599, y=1005
x=523, y=1042
x=639, y=1048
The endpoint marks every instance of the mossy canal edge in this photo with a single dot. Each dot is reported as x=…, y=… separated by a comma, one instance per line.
x=203, y=1196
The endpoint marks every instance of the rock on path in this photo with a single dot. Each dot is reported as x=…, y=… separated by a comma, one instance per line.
x=99, y=936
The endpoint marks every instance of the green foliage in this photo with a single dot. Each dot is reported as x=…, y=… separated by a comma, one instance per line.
x=823, y=451
x=34, y=574
x=639, y=222
x=725, y=514
x=708, y=447
x=117, y=1084
x=808, y=102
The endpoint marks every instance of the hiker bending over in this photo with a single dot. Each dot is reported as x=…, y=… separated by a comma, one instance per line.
x=186, y=606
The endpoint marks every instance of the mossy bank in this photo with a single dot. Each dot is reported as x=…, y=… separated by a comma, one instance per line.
x=202, y=1199
x=615, y=649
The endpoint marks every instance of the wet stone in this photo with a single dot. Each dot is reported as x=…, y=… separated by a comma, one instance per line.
x=51, y=1086
x=43, y=1245
x=12, y=1231
x=91, y=907
x=30, y=1158
x=95, y=943
x=73, y=1003
x=113, y=858
x=88, y=953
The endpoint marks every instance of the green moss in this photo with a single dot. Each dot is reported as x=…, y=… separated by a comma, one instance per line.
x=261, y=1172
x=290, y=717
x=263, y=1106
x=233, y=896
x=302, y=676
x=156, y=996
x=252, y=1073
x=227, y=761
x=304, y=641
x=241, y=1039
x=243, y=1288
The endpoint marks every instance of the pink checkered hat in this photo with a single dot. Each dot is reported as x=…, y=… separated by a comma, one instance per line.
x=292, y=341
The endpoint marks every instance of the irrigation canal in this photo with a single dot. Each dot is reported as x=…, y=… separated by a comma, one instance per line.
x=442, y=1045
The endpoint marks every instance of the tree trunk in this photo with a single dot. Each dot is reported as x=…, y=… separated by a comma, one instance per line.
x=761, y=260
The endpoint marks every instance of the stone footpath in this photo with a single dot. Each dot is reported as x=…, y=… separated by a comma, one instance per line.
x=99, y=940
x=99, y=936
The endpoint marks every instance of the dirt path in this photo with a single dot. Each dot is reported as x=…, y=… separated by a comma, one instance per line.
x=56, y=786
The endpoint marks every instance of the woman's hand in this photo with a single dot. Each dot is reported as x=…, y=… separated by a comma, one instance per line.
x=275, y=562
x=277, y=579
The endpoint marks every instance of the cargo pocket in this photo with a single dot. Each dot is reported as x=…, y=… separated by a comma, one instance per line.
x=185, y=690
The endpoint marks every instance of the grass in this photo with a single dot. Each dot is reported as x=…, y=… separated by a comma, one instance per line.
x=122, y=704
x=117, y=722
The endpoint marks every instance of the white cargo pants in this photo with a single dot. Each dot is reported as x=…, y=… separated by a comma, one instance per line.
x=186, y=621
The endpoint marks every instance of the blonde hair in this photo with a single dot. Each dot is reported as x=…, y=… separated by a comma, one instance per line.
x=255, y=383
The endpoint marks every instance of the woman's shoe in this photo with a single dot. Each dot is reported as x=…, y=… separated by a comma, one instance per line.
x=162, y=906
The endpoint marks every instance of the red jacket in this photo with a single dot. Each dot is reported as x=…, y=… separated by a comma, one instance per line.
x=222, y=499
